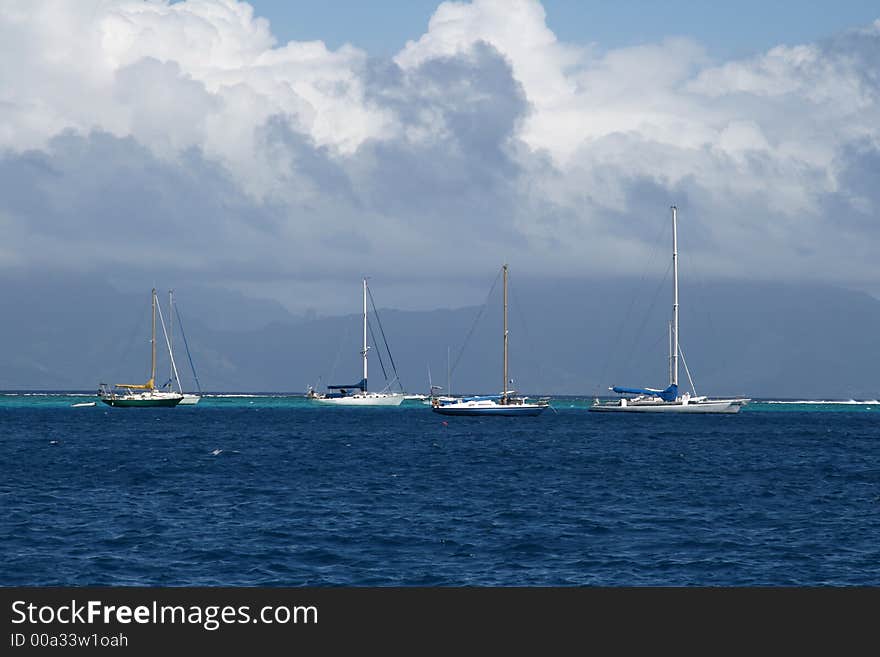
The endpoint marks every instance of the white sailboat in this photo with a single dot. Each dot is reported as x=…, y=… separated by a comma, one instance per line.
x=189, y=398
x=435, y=390
x=357, y=394
x=141, y=394
x=668, y=400
x=507, y=403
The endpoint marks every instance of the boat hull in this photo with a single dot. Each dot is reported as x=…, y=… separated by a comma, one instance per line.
x=510, y=411
x=368, y=399
x=489, y=407
x=711, y=406
x=189, y=400
x=138, y=402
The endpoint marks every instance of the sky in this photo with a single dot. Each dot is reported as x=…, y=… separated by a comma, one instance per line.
x=735, y=29
x=285, y=150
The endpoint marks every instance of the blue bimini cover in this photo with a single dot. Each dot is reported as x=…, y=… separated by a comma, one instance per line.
x=670, y=394
x=361, y=386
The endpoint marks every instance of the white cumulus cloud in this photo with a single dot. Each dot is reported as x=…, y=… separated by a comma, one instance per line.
x=484, y=139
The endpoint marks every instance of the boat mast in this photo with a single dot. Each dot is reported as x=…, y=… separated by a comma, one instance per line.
x=674, y=297
x=153, y=344
x=171, y=329
x=504, y=395
x=364, y=352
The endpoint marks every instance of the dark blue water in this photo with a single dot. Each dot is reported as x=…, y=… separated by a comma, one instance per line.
x=273, y=492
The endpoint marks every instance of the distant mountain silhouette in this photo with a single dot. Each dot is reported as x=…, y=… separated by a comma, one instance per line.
x=578, y=337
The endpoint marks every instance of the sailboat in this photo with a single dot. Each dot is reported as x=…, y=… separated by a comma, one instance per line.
x=357, y=394
x=668, y=400
x=434, y=390
x=507, y=403
x=189, y=399
x=141, y=394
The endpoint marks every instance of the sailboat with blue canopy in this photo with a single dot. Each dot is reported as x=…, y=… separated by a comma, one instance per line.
x=508, y=403
x=357, y=394
x=669, y=399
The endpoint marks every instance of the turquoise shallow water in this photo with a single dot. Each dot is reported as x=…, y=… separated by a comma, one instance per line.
x=278, y=491
x=298, y=400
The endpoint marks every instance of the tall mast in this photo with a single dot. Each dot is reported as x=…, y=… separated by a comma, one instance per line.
x=171, y=328
x=504, y=395
x=675, y=341
x=153, y=343
x=365, y=335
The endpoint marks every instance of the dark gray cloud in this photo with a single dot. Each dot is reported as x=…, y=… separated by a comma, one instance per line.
x=289, y=173
x=101, y=202
x=460, y=174
x=96, y=201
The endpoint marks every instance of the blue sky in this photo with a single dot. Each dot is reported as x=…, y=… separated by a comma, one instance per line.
x=727, y=29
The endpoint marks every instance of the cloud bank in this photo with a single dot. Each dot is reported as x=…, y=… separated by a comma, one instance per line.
x=145, y=137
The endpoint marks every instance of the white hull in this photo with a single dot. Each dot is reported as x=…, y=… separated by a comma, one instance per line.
x=146, y=398
x=189, y=400
x=367, y=399
x=505, y=404
x=430, y=400
x=678, y=406
x=346, y=396
x=489, y=407
x=649, y=400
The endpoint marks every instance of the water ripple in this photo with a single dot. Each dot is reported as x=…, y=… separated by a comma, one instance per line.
x=300, y=496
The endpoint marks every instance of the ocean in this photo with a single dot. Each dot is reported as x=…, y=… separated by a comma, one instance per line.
x=273, y=490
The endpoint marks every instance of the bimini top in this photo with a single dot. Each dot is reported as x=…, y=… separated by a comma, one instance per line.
x=670, y=394
x=362, y=386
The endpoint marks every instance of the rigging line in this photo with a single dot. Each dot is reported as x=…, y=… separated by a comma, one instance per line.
x=531, y=350
x=698, y=304
x=687, y=371
x=618, y=334
x=170, y=354
x=476, y=321
x=186, y=345
x=382, y=331
x=647, y=316
x=339, y=350
x=378, y=351
x=661, y=337
x=127, y=349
